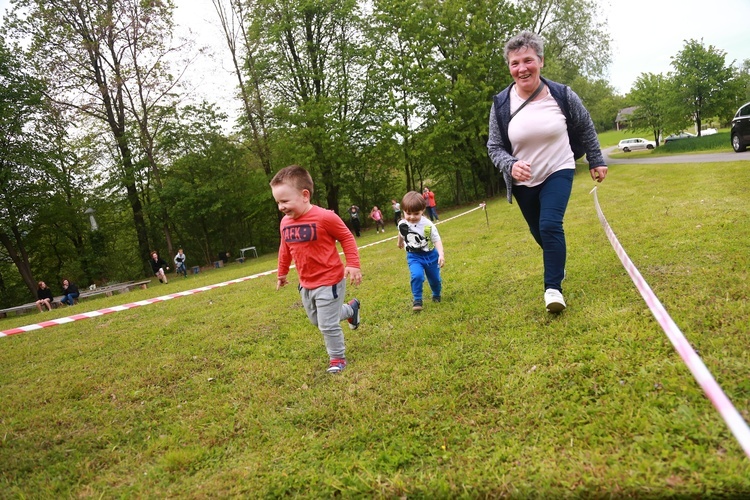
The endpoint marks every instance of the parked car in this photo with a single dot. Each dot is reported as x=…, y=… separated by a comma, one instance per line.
x=709, y=131
x=628, y=145
x=676, y=137
x=741, y=128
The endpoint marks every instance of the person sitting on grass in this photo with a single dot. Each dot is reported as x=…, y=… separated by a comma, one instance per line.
x=308, y=236
x=44, y=296
x=424, y=248
x=158, y=266
x=70, y=292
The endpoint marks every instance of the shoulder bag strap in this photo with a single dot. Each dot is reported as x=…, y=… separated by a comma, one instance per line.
x=531, y=98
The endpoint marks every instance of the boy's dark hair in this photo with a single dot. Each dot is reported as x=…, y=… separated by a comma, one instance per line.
x=413, y=202
x=295, y=176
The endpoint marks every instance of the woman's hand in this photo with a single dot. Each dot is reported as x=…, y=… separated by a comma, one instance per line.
x=598, y=173
x=521, y=171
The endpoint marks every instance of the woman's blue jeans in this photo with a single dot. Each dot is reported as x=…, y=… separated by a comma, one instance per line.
x=69, y=298
x=543, y=207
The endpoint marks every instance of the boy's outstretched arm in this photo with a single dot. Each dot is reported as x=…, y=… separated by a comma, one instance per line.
x=354, y=274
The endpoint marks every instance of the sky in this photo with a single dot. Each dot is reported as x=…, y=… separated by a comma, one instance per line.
x=645, y=35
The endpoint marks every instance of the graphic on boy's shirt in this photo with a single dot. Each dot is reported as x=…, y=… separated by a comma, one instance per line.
x=300, y=233
x=413, y=241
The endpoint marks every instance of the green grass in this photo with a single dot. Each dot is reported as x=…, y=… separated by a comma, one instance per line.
x=712, y=143
x=224, y=393
x=716, y=143
x=613, y=137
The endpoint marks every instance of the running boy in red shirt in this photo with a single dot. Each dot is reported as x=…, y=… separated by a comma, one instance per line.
x=308, y=236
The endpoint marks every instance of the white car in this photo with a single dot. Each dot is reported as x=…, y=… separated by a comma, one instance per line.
x=709, y=131
x=677, y=137
x=628, y=145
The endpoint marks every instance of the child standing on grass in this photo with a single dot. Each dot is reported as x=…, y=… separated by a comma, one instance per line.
x=396, y=211
x=424, y=248
x=377, y=216
x=308, y=236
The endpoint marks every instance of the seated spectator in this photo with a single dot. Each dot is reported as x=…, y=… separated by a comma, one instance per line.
x=70, y=292
x=224, y=256
x=44, y=296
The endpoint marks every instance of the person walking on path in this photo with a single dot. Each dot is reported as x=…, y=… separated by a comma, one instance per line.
x=179, y=263
x=424, y=248
x=537, y=129
x=158, y=266
x=429, y=198
x=354, y=219
x=308, y=237
x=44, y=297
x=377, y=216
x=70, y=292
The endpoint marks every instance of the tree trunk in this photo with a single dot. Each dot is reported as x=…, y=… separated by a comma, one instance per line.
x=19, y=257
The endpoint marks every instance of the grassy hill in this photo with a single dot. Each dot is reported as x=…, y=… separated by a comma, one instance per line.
x=224, y=393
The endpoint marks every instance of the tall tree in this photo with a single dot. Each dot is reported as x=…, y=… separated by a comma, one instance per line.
x=25, y=160
x=600, y=99
x=86, y=48
x=400, y=64
x=218, y=195
x=242, y=33
x=317, y=81
x=151, y=90
x=576, y=41
x=650, y=94
x=703, y=81
x=440, y=63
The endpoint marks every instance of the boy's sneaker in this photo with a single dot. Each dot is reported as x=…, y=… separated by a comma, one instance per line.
x=436, y=298
x=336, y=365
x=417, y=306
x=354, y=320
x=554, y=301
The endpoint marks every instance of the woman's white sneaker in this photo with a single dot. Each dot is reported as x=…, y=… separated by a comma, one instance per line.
x=554, y=301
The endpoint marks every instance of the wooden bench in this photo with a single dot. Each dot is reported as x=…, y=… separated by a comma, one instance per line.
x=107, y=290
x=23, y=308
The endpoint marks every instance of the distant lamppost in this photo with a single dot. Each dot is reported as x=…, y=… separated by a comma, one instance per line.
x=92, y=220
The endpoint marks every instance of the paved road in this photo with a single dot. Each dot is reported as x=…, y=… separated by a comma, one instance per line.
x=686, y=158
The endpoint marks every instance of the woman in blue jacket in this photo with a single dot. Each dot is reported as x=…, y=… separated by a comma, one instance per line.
x=537, y=130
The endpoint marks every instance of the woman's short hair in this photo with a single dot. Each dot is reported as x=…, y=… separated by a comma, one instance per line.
x=413, y=202
x=524, y=39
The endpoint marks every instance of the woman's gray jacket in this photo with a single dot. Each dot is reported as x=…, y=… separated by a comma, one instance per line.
x=581, y=132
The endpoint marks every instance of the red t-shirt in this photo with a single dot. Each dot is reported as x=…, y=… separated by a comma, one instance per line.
x=310, y=240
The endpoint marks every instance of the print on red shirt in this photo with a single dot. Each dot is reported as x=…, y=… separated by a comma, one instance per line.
x=299, y=233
